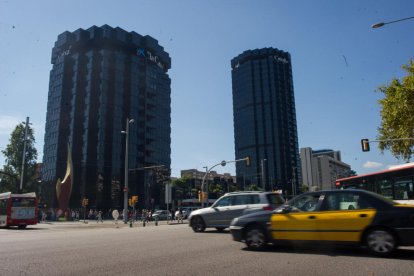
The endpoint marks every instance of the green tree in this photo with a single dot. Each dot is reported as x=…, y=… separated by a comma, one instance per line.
x=254, y=187
x=216, y=189
x=397, y=115
x=352, y=173
x=182, y=187
x=10, y=181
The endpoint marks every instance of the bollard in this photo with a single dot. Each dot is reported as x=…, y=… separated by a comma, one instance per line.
x=130, y=223
x=156, y=221
x=143, y=223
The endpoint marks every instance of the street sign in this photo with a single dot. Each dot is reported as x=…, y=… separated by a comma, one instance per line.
x=168, y=197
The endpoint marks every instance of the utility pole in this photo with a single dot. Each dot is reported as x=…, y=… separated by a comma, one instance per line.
x=24, y=153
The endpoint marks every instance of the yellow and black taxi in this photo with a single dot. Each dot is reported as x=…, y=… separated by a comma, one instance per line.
x=349, y=216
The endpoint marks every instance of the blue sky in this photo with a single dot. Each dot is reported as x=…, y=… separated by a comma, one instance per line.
x=338, y=61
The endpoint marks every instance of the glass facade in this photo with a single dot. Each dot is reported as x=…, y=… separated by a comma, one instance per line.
x=265, y=120
x=100, y=77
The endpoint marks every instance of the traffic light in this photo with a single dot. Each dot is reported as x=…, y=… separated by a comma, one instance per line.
x=130, y=202
x=247, y=161
x=85, y=202
x=365, y=145
x=199, y=196
x=134, y=199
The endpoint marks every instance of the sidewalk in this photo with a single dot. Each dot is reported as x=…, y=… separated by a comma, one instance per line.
x=107, y=224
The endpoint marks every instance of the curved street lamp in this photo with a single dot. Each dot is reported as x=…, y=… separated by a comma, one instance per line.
x=223, y=163
x=378, y=25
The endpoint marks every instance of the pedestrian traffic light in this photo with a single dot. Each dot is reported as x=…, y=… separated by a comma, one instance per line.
x=365, y=145
x=247, y=161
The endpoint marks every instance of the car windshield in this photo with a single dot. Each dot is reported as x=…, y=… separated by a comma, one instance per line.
x=275, y=199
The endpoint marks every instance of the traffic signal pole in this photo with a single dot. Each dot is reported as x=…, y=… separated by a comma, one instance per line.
x=365, y=142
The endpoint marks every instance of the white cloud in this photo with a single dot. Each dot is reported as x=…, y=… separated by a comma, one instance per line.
x=372, y=165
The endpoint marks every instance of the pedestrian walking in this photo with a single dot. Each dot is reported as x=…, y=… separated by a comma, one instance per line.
x=180, y=216
x=44, y=216
x=99, y=217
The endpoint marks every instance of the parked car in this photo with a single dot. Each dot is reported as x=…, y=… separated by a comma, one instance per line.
x=161, y=215
x=233, y=205
x=184, y=211
x=338, y=216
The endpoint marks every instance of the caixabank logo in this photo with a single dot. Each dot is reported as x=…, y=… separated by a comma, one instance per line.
x=150, y=56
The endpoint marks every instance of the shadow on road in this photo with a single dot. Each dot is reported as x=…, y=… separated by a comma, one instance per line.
x=12, y=228
x=336, y=250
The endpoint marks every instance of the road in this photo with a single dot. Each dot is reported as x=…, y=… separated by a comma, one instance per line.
x=102, y=249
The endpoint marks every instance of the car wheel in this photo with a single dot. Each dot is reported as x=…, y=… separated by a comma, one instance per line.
x=256, y=238
x=197, y=224
x=380, y=242
x=220, y=229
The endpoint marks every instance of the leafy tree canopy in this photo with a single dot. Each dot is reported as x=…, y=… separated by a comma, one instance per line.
x=10, y=178
x=397, y=115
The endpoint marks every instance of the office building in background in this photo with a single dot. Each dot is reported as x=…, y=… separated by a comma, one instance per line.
x=101, y=77
x=321, y=168
x=265, y=120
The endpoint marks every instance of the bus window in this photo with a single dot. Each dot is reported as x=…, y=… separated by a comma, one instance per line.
x=23, y=202
x=3, y=206
x=403, y=189
x=385, y=188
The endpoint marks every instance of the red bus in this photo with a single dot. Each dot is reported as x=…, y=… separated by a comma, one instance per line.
x=18, y=209
x=396, y=183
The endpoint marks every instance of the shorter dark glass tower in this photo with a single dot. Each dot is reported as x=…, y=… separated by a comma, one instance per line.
x=100, y=77
x=265, y=120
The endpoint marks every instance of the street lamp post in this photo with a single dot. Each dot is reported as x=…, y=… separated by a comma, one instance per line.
x=378, y=25
x=293, y=181
x=207, y=184
x=264, y=178
x=126, y=132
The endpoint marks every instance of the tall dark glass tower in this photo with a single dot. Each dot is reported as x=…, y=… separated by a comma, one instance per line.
x=265, y=120
x=100, y=77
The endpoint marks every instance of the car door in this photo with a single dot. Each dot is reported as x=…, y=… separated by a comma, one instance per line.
x=218, y=215
x=343, y=217
x=297, y=219
x=242, y=204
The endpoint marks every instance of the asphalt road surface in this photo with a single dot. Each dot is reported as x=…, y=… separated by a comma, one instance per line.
x=102, y=249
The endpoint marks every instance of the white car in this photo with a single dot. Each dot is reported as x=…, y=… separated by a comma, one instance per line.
x=185, y=213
